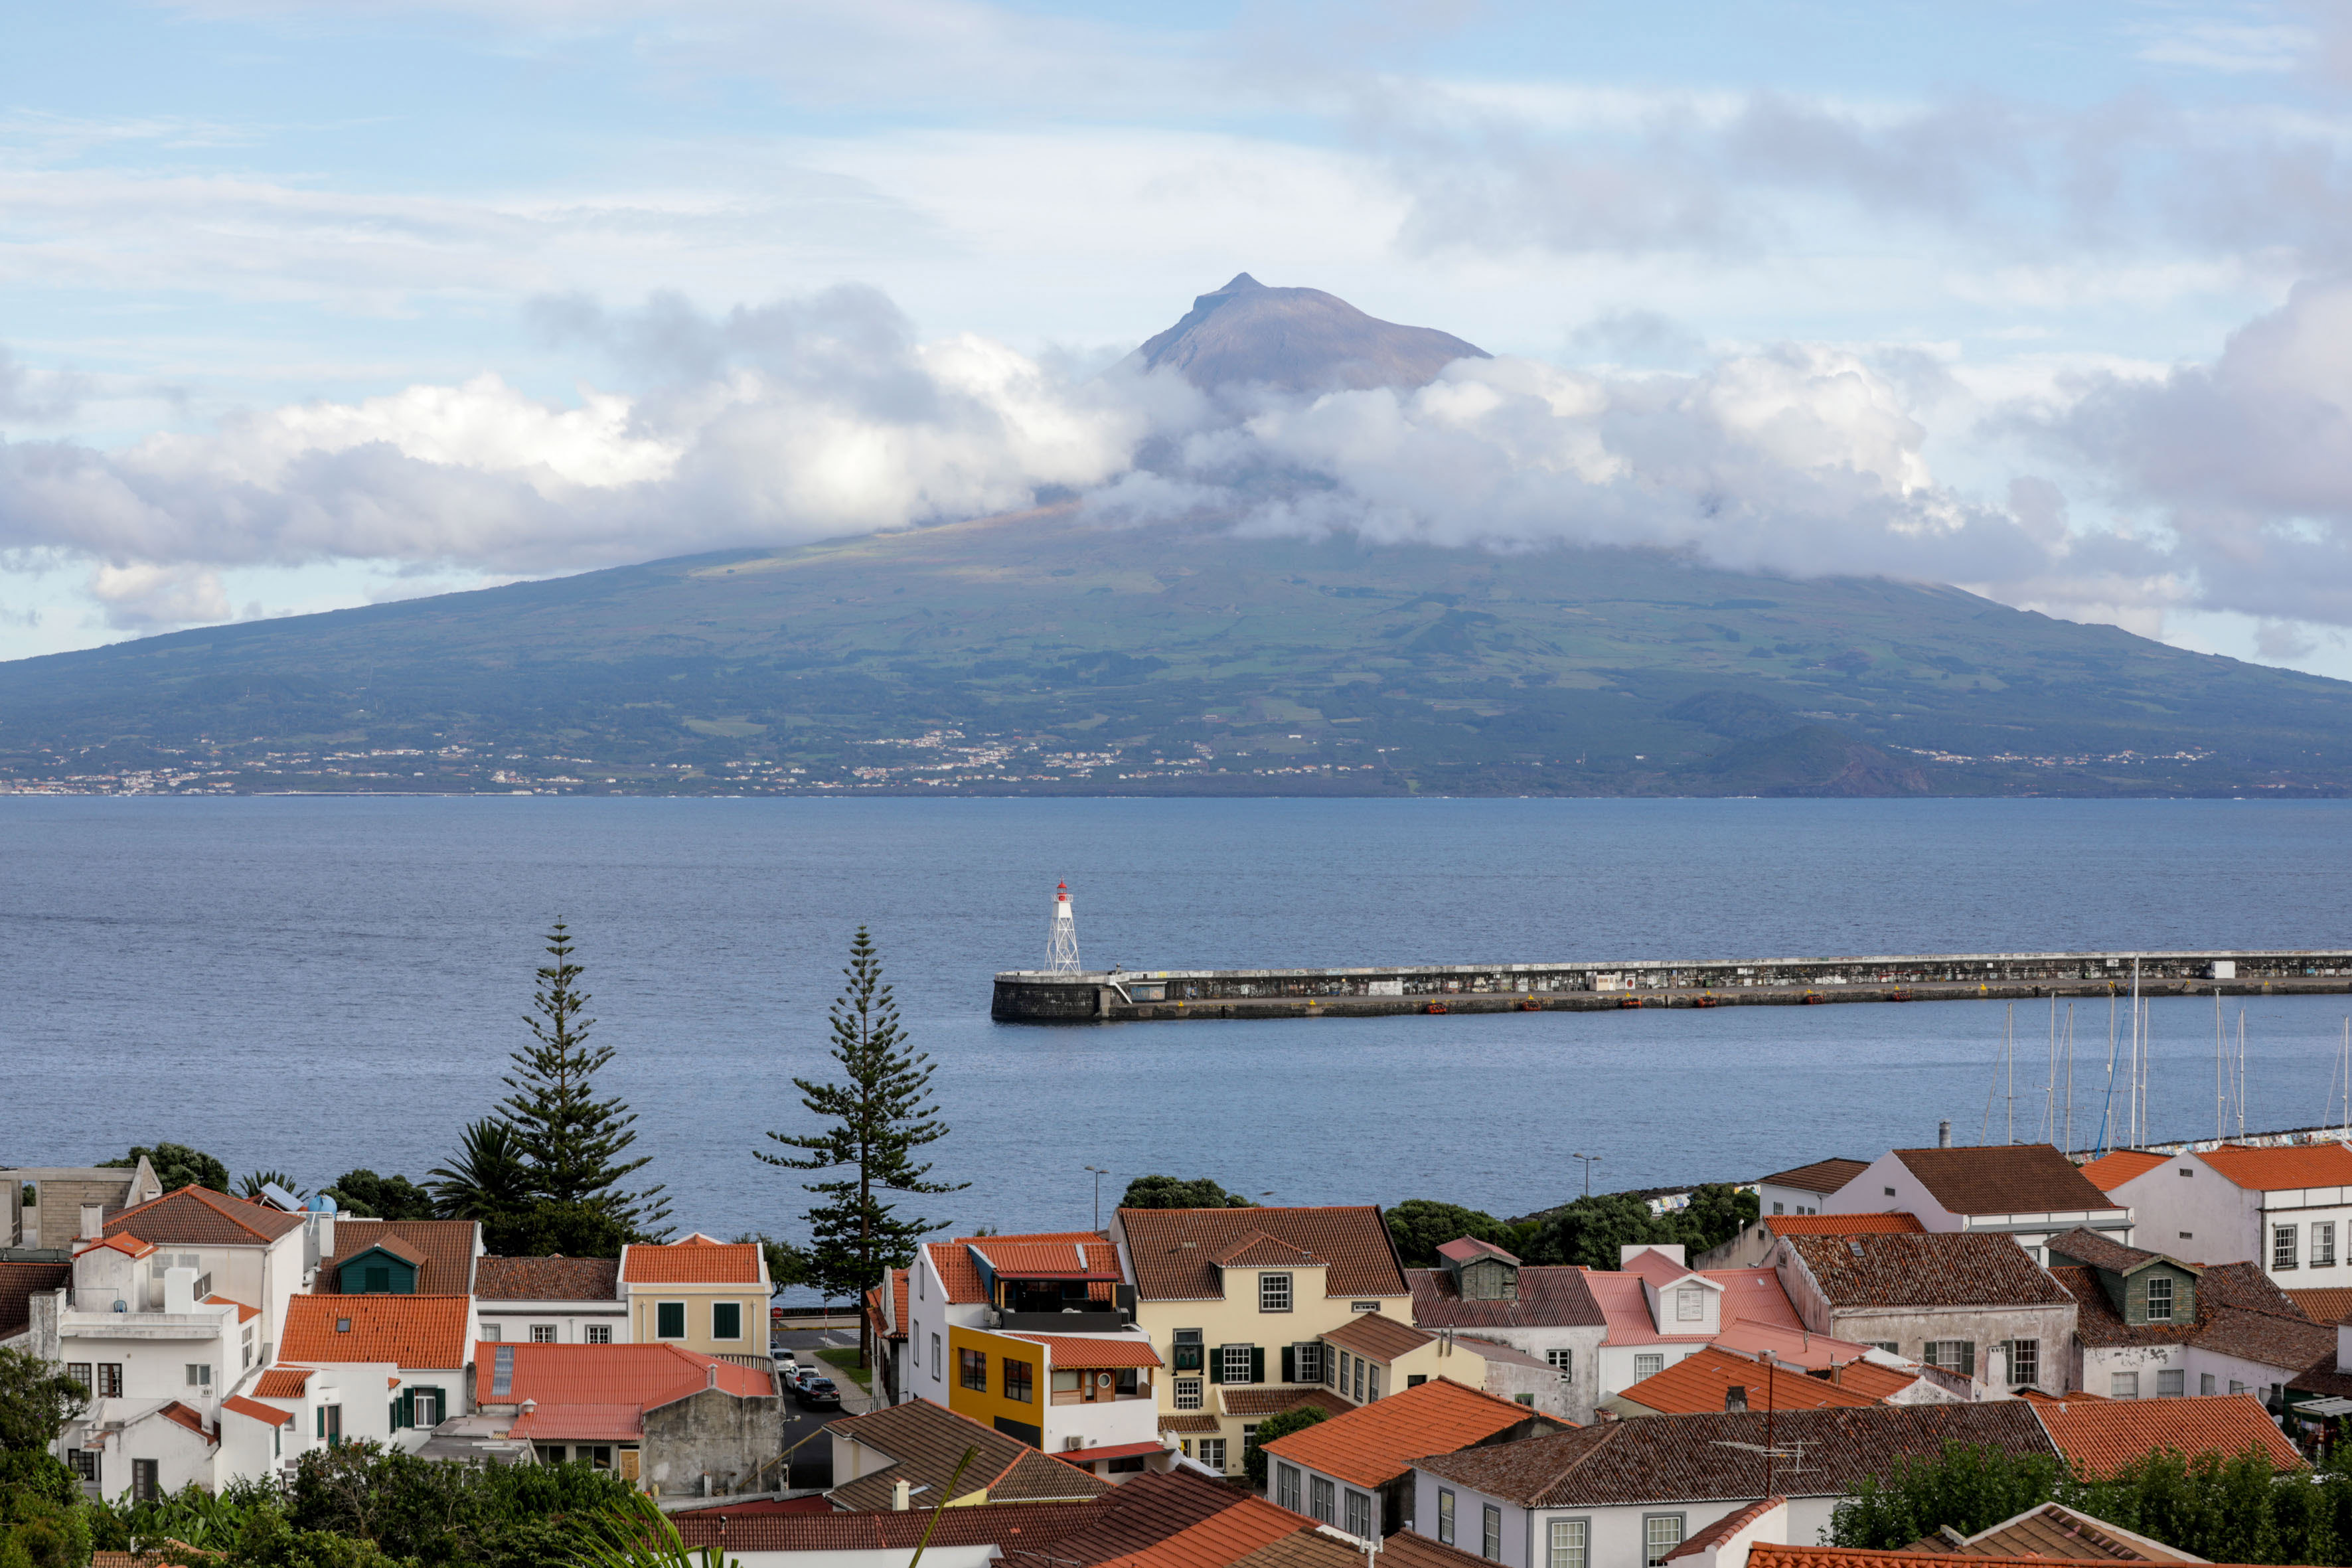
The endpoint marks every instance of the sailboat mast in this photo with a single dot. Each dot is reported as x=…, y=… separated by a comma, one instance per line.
x=2070, y=1078
x=2009, y=1067
x=2133, y=1100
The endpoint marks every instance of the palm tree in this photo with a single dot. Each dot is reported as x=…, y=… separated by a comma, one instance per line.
x=250, y=1187
x=488, y=1181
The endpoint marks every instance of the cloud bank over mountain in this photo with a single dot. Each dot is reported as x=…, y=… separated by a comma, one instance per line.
x=825, y=415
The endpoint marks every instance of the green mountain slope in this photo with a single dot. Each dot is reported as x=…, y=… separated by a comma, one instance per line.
x=1038, y=653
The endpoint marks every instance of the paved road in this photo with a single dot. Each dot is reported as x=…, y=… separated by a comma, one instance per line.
x=813, y=1464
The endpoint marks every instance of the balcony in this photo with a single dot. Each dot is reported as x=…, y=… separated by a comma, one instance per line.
x=1108, y=1320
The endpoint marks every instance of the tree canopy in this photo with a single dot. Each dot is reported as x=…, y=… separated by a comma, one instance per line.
x=1281, y=1424
x=1421, y=1225
x=1168, y=1193
x=177, y=1165
x=363, y=1194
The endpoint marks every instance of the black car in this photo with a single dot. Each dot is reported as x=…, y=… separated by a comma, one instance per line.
x=819, y=1393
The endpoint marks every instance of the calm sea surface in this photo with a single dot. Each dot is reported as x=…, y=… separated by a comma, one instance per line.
x=316, y=985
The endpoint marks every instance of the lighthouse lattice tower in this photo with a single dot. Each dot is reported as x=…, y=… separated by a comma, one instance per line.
x=1062, y=946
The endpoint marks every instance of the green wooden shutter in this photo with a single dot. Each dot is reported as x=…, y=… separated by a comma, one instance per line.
x=1257, y=1363
x=323, y=1423
x=1290, y=1364
x=1967, y=1358
x=1215, y=1356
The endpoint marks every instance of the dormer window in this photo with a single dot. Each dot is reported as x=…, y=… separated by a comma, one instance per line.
x=1273, y=1292
x=1688, y=1306
x=2159, y=1299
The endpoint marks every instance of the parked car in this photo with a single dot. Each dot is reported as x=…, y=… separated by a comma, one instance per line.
x=819, y=1393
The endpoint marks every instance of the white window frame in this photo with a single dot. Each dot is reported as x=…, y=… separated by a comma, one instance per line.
x=2322, y=1244
x=2284, y=1240
x=2177, y=1377
x=2027, y=1352
x=1357, y=1514
x=1569, y=1544
x=716, y=1308
x=542, y=1333
x=1229, y=1358
x=423, y=1401
x=200, y=1375
x=596, y=1334
x=938, y=1368
x=1212, y=1454
x=2148, y=1297
x=1654, y=1548
x=1490, y=1533
x=1306, y=1361
x=1286, y=1487
x=1189, y=1395
x=1273, y=1292
x=1689, y=1305
x=1648, y=1363
x=2123, y=1385
x=1445, y=1516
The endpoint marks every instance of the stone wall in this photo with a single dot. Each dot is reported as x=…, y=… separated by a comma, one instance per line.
x=716, y=1433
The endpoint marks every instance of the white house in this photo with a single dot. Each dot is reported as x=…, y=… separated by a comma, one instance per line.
x=1968, y=1303
x=1658, y=1310
x=418, y=1345
x=1624, y=1494
x=2027, y=1191
x=948, y=1288
x=2288, y=1209
x=551, y=1300
x=1806, y=1188
x=1546, y=1313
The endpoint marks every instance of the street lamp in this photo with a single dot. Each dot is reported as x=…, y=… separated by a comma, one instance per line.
x=1589, y=1161
x=1100, y=1174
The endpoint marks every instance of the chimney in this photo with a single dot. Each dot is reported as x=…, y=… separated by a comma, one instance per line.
x=1735, y=1398
x=901, y=1494
x=179, y=1290
x=1943, y=1134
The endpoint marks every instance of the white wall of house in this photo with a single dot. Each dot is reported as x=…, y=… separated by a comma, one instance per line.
x=1889, y=1186
x=1100, y=1423
x=1615, y=1537
x=569, y=1322
x=930, y=1315
x=2187, y=1210
x=1792, y=1200
x=1326, y=1498
x=182, y=1457
x=363, y=1390
x=1623, y=1366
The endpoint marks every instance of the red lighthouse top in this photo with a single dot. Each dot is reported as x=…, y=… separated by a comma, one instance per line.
x=1061, y=892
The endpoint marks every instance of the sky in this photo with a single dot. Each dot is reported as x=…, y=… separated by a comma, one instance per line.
x=311, y=305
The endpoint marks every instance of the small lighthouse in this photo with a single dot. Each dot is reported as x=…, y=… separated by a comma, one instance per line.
x=1062, y=944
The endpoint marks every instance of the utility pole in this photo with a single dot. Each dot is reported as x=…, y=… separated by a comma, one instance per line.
x=1589, y=1161
x=1100, y=1174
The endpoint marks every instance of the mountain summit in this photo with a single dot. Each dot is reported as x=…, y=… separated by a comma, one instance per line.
x=1298, y=339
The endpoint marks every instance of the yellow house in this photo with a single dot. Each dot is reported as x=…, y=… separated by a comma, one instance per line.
x=1373, y=1355
x=699, y=1294
x=1237, y=1303
x=1087, y=1399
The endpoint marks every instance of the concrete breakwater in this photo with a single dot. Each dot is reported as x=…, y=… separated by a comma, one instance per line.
x=1035, y=997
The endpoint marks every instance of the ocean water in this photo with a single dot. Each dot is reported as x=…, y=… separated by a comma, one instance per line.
x=316, y=985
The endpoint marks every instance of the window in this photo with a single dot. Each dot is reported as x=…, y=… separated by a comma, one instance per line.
x=1889, y=1346
x=542, y=1333
x=1285, y=1486
x=1372, y=1383
x=2171, y=1383
x=1445, y=1517
x=2024, y=1362
x=1358, y=1520
x=2237, y=1388
x=1952, y=1355
x=1649, y=1363
x=1568, y=1539
x=936, y=1372
x=144, y=1486
x=1306, y=1362
x=2205, y=1383
x=669, y=1320
x=1188, y=1351
x=1490, y=1534
x=1188, y=1394
x=85, y=1465
x=1234, y=1363
x=330, y=1423
x=725, y=1320
x=1890, y=1192
x=1273, y=1292
x=1688, y=1308
x=2123, y=1385
x=2323, y=1245
x=424, y=1408
x=1562, y=1363
x=1360, y=1380
x=1249, y=1437
x=109, y=1380
x=2283, y=1249
x=1777, y=1208
x=596, y=1334
x=2159, y=1299
x=200, y=1375
x=1320, y=1493
x=1017, y=1380
x=493, y=1332
x=79, y=1372
x=1213, y=1453
x=972, y=1370
x=1660, y=1533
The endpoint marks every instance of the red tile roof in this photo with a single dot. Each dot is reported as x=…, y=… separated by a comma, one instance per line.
x=1380, y=1338
x=2004, y=1178
x=1762, y=1555
x=547, y=1279
x=245, y=1314
x=2325, y=1303
x=129, y=1246
x=1469, y=1249
x=960, y=1278
x=1549, y=1296
x=1024, y=1257
x=1411, y=1549
x=694, y=1261
x=423, y=1331
x=1223, y=1538
x=635, y=1376
x=1880, y=1382
x=1957, y=1268
x=1010, y=1525
x=1261, y=1401
x=19, y=1283
x=198, y=1216
x=1699, y=1383
x=1173, y=1251
x=1374, y=1444
x=924, y=1442
x=1822, y=1176
x=1843, y=1224
x=2101, y=1437
x=2279, y=1169
x=283, y=1382
x=2109, y=1172
x=181, y=1415
x=1109, y=1451
x=1724, y=1529
x=1069, y=1351
x=441, y=1250
x=1258, y=1250
x=253, y=1409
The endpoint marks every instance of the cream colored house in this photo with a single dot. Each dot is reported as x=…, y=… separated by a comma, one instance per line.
x=1237, y=1303
x=699, y=1294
